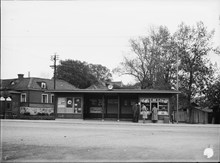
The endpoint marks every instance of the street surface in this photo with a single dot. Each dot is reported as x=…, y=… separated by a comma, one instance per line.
x=80, y=141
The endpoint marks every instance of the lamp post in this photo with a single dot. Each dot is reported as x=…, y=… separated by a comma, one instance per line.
x=5, y=98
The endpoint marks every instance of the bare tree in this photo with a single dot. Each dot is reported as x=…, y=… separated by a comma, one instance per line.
x=153, y=62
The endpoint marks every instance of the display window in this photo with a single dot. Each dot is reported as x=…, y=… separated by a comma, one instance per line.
x=163, y=107
x=71, y=105
x=160, y=103
x=77, y=105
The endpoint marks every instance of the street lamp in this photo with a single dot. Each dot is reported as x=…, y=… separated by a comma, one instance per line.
x=5, y=97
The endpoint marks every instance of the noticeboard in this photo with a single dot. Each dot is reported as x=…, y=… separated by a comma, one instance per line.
x=95, y=109
x=77, y=105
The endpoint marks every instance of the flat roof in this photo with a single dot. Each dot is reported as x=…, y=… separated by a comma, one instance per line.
x=117, y=91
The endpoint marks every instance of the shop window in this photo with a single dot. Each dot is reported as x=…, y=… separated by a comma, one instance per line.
x=77, y=105
x=23, y=97
x=146, y=102
x=163, y=106
x=69, y=105
x=44, y=98
x=61, y=105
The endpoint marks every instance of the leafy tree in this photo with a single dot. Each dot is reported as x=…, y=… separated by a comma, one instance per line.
x=213, y=94
x=100, y=72
x=81, y=74
x=193, y=45
x=213, y=99
x=152, y=62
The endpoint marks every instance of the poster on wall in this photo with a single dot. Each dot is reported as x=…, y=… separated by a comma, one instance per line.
x=77, y=105
x=61, y=102
x=95, y=109
x=69, y=102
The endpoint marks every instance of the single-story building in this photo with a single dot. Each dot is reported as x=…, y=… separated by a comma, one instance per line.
x=109, y=103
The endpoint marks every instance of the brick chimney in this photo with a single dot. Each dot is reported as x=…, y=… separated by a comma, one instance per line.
x=20, y=76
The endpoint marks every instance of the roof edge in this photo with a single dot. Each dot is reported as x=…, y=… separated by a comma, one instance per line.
x=115, y=91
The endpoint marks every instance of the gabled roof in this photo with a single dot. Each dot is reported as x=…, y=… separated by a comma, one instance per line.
x=98, y=85
x=34, y=84
x=104, y=85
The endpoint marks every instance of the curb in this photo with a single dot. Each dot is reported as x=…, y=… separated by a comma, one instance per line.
x=100, y=122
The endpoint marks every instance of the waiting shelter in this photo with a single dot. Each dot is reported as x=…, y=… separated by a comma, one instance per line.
x=109, y=103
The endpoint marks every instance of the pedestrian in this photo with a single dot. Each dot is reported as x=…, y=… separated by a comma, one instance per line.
x=138, y=112
x=154, y=114
x=172, y=117
x=144, y=112
x=134, y=110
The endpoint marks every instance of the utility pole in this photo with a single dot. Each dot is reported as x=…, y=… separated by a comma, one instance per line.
x=54, y=58
x=177, y=85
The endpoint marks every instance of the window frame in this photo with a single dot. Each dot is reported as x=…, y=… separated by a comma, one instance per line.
x=52, y=98
x=43, y=85
x=25, y=97
x=42, y=99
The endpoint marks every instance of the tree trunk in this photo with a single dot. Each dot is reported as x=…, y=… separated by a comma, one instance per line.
x=189, y=97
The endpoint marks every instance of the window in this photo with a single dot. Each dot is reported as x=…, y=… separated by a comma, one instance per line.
x=44, y=98
x=43, y=85
x=12, y=83
x=23, y=97
x=78, y=104
x=70, y=105
x=52, y=98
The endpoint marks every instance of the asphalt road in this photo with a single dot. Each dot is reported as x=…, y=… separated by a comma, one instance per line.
x=69, y=141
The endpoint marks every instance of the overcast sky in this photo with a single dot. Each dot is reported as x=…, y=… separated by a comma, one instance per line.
x=95, y=31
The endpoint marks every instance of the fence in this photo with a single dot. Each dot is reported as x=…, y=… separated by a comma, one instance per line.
x=197, y=116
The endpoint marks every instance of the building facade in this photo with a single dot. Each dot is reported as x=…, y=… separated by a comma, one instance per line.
x=29, y=96
x=110, y=103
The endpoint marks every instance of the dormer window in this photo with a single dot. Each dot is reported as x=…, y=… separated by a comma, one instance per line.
x=12, y=83
x=43, y=85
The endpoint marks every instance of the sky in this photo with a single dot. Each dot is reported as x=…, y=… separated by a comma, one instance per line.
x=94, y=31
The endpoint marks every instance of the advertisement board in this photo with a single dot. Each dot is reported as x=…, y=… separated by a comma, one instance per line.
x=95, y=109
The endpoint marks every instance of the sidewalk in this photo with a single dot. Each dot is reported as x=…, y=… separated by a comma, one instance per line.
x=111, y=122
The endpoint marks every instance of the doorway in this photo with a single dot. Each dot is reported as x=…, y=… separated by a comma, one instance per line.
x=111, y=110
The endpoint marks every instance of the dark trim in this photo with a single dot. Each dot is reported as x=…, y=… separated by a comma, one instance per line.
x=116, y=91
x=119, y=107
x=103, y=106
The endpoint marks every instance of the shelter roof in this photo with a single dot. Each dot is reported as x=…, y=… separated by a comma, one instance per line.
x=139, y=91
